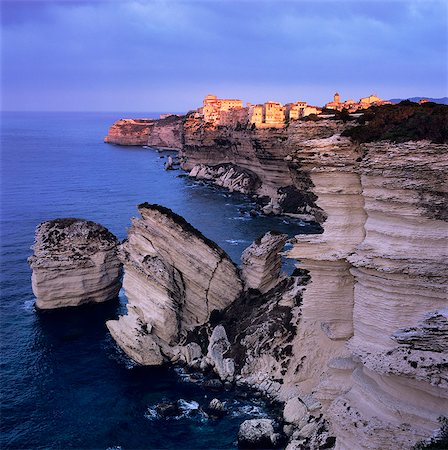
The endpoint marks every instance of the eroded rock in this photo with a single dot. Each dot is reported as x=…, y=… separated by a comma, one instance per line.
x=257, y=433
x=261, y=261
x=217, y=348
x=74, y=262
x=294, y=411
x=174, y=278
x=229, y=176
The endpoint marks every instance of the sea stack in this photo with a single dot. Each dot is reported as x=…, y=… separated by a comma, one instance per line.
x=174, y=279
x=75, y=262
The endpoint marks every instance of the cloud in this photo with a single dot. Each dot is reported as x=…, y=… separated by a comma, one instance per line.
x=157, y=55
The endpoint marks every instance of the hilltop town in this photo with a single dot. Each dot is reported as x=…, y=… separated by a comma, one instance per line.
x=271, y=114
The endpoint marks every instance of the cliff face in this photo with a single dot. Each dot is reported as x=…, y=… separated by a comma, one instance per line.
x=379, y=274
x=358, y=334
x=363, y=339
x=129, y=132
x=263, y=152
x=163, y=133
x=74, y=262
x=399, y=387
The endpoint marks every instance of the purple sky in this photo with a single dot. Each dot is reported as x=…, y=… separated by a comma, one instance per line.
x=166, y=55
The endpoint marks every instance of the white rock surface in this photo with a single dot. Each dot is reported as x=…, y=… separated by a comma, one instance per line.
x=294, y=411
x=74, y=262
x=174, y=278
x=256, y=433
x=228, y=176
x=217, y=348
x=261, y=261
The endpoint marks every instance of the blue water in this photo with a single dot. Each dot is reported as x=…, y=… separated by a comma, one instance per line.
x=64, y=384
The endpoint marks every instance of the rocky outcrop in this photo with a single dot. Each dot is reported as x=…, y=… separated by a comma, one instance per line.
x=74, y=262
x=167, y=133
x=261, y=262
x=357, y=335
x=228, y=176
x=257, y=433
x=130, y=132
x=400, y=270
x=264, y=152
x=242, y=158
x=174, y=279
x=379, y=272
x=162, y=133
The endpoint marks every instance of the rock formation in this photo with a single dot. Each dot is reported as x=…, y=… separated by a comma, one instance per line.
x=357, y=336
x=174, y=279
x=74, y=262
x=257, y=433
x=130, y=132
x=210, y=152
x=359, y=333
x=260, y=262
x=229, y=176
x=162, y=133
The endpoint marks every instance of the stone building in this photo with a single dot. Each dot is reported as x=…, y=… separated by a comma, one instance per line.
x=352, y=106
x=273, y=113
x=295, y=111
x=213, y=106
x=256, y=114
x=229, y=112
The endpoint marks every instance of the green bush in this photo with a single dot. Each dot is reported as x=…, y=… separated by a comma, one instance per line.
x=406, y=121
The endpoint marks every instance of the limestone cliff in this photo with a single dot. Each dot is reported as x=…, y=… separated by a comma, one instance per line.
x=266, y=153
x=174, y=279
x=164, y=133
x=240, y=158
x=74, y=262
x=357, y=336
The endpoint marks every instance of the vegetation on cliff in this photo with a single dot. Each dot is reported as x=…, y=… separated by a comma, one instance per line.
x=406, y=121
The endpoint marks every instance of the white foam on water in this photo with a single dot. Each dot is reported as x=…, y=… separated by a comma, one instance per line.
x=187, y=407
x=237, y=241
x=239, y=218
x=28, y=305
x=251, y=410
x=151, y=414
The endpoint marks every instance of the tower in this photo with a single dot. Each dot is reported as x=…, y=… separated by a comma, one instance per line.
x=337, y=98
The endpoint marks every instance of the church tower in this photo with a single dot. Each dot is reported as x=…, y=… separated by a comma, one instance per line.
x=337, y=98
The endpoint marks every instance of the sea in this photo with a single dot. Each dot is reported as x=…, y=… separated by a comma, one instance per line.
x=64, y=383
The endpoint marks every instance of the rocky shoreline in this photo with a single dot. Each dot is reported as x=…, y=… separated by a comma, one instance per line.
x=353, y=343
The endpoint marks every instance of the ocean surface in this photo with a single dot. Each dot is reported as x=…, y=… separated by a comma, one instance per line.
x=64, y=383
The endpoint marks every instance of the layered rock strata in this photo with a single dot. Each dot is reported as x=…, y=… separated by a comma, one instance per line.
x=161, y=133
x=74, y=262
x=362, y=345
x=264, y=152
x=174, y=279
x=399, y=385
x=358, y=334
x=242, y=158
x=260, y=262
x=228, y=176
x=129, y=132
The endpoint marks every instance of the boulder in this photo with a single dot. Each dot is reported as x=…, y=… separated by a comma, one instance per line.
x=217, y=348
x=294, y=411
x=257, y=433
x=168, y=409
x=216, y=409
x=74, y=262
